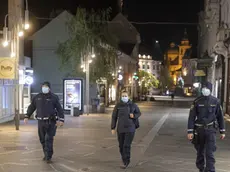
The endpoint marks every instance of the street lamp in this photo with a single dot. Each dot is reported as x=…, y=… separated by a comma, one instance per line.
x=85, y=65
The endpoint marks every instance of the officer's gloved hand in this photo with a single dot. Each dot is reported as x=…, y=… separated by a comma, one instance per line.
x=222, y=136
x=190, y=136
x=59, y=123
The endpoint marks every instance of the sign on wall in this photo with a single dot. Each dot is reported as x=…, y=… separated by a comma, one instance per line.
x=73, y=94
x=7, y=68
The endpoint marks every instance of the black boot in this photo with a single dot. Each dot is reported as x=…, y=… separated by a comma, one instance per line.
x=48, y=161
x=127, y=164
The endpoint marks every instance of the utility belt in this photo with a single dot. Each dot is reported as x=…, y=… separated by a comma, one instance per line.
x=53, y=117
x=207, y=126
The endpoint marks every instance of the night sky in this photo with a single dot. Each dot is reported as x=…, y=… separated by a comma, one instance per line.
x=137, y=10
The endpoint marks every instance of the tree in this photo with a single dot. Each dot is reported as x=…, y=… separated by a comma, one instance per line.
x=166, y=81
x=89, y=35
x=147, y=81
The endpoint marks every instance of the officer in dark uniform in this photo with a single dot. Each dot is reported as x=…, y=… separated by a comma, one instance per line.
x=127, y=114
x=205, y=118
x=48, y=107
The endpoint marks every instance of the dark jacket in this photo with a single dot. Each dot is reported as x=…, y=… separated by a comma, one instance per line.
x=47, y=105
x=205, y=110
x=121, y=113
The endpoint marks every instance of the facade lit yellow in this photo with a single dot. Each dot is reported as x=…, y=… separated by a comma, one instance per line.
x=175, y=52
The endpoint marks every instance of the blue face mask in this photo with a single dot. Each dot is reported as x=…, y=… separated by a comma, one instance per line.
x=45, y=90
x=125, y=99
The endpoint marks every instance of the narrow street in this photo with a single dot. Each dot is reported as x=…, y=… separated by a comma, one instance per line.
x=85, y=144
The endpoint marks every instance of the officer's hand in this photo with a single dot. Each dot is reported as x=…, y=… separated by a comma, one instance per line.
x=59, y=124
x=25, y=120
x=131, y=115
x=222, y=136
x=113, y=132
x=190, y=136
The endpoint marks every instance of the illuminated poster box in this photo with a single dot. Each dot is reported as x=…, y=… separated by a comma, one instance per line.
x=73, y=93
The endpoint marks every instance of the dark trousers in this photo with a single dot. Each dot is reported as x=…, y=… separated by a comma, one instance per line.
x=125, y=141
x=205, y=148
x=46, y=132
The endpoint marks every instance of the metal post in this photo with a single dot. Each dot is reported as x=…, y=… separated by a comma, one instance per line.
x=87, y=83
x=214, y=77
x=132, y=88
x=15, y=8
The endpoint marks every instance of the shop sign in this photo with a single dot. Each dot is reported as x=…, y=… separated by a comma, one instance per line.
x=7, y=68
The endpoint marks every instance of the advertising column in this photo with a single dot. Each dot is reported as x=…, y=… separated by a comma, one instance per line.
x=73, y=94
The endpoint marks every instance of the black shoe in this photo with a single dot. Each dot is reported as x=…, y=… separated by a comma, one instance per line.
x=48, y=161
x=201, y=171
x=127, y=164
x=123, y=167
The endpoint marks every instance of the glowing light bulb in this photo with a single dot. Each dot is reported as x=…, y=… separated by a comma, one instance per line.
x=5, y=43
x=27, y=26
x=12, y=54
x=20, y=34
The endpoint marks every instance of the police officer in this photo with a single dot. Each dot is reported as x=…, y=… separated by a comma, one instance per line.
x=205, y=118
x=127, y=114
x=48, y=107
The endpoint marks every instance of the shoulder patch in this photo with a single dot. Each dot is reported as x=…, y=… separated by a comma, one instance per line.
x=192, y=106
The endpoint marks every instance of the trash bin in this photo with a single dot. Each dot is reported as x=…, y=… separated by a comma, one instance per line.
x=95, y=103
x=75, y=110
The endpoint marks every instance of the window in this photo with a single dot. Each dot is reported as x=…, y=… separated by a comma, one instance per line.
x=154, y=67
x=143, y=66
x=158, y=67
x=147, y=66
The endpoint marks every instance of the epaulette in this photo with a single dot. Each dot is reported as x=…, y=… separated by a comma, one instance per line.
x=54, y=95
x=198, y=98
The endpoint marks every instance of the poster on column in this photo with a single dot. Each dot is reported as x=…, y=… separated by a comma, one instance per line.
x=7, y=68
x=73, y=93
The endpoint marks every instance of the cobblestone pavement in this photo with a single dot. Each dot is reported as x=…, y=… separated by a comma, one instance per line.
x=85, y=144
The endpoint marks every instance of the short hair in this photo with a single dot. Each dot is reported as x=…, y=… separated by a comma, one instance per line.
x=124, y=92
x=46, y=83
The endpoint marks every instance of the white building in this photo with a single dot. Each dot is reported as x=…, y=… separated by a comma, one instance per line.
x=149, y=65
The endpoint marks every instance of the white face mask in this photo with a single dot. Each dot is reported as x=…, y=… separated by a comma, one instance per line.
x=206, y=91
x=45, y=90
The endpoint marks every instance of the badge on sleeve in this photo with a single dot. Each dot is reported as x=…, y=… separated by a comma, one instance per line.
x=191, y=108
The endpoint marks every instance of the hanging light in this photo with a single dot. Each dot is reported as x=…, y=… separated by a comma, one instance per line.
x=90, y=61
x=12, y=54
x=20, y=33
x=27, y=25
x=5, y=42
